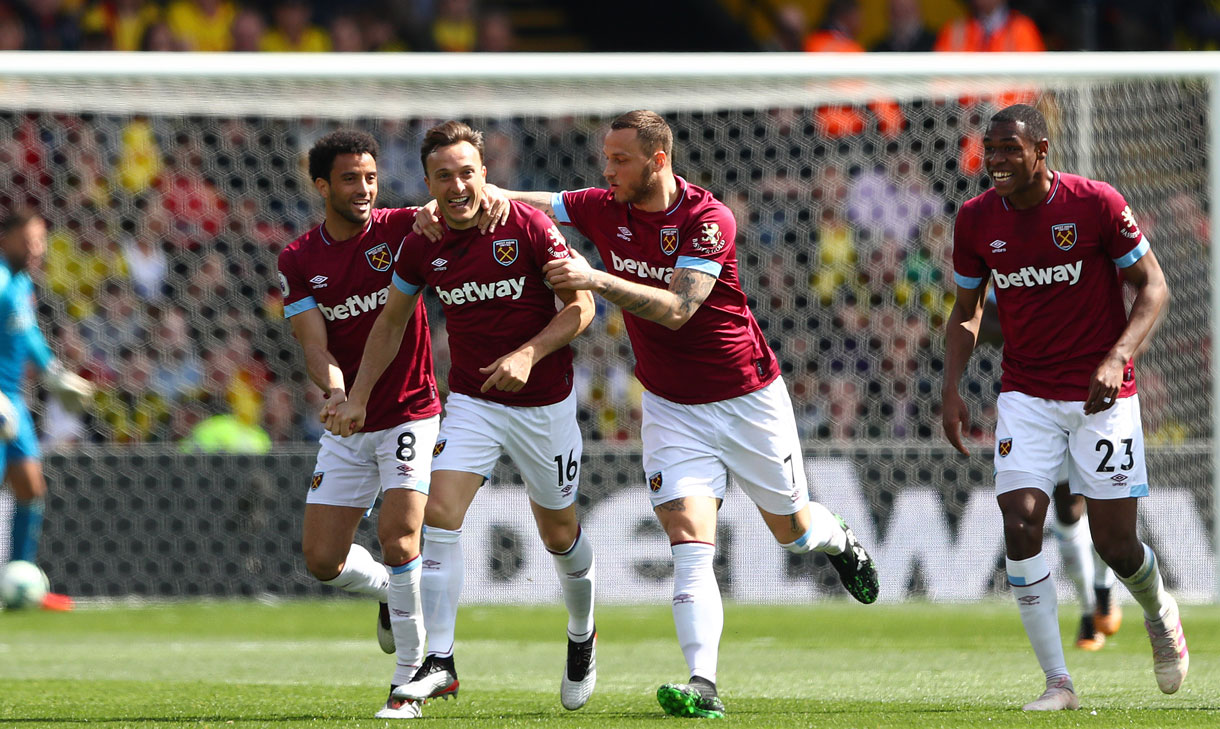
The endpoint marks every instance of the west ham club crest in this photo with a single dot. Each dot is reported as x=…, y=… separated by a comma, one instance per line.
x=1004, y=447
x=380, y=257
x=505, y=251
x=669, y=240
x=654, y=481
x=1064, y=235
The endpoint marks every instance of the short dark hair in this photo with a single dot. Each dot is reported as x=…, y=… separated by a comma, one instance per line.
x=654, y=134
x=1034, y=121
x=446, y=134
x=345, y=141
x=17, y=218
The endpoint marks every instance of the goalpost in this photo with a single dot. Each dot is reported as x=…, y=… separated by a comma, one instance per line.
x=843, y=170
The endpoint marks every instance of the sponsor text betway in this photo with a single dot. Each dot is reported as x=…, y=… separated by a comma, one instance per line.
x=1032, y=276
x=356, y=305
x=469, y=292
x=641, y=268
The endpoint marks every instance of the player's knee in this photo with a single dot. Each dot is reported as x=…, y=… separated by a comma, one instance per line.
x=320, y=562
x=1124, y=553
x=559, y=537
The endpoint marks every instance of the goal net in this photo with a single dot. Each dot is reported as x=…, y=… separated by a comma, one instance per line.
x=171, y=181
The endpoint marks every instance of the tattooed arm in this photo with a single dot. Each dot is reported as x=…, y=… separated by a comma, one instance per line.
x=670, y=307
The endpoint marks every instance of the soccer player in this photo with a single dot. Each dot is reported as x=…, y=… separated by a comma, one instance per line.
x=334, y=280
x=510, y=391
x=1059, y=248
x=23, y=240
x=714, y=399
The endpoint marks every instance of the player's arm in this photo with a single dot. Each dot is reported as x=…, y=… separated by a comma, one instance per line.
x=1151, y=295
x=384, y=341
x=961, y=335
x=510, y=372
x=72, y=391
x=671, y=307
x=309, y=328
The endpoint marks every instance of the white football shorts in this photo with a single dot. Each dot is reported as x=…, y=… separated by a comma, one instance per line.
x=1034, y=437
x=689, y=449
x=353, y=471
x=543, y=442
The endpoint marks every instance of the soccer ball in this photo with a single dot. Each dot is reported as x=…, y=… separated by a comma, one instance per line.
x=23, y=584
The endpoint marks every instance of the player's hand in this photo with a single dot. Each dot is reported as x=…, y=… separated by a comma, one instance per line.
x=70, y=389
x=495, y=209
x=1104, y=385
x=428, y=222
x=955, y=417
x=573, y=272
x=333, y=397
x=509, y=373
x=348, y=418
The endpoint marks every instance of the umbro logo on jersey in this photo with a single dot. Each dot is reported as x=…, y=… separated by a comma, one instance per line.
x=624, y=232
x=379, y=257
x=1118, y=478
x=998, y=246
x=318, y=282
x=440, y=264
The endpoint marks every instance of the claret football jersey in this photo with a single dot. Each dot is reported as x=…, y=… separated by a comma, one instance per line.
x=1058, y=284
x=720, y=353
x=348, y=282
x=495, y=299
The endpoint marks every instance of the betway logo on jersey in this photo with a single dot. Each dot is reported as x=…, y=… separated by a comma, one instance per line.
x=355, y=305
x=1031, y=276
x=641, y=268
x=469, y=292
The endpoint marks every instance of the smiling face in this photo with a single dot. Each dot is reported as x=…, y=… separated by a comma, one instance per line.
x=351, y=190
x=455, y=176
x=1016, y=163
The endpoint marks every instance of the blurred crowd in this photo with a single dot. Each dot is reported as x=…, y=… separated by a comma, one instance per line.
x=468, y=25
x=252, y=25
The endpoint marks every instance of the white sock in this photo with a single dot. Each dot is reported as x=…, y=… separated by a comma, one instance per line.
x=406, y=619
x=1034, y=590
x=1147, y=587
x=361, y=574
x=825, y=533
x=1076, y=551
x=440, y=586
x=575, y=568
x=698, y=612
x=1103, y=576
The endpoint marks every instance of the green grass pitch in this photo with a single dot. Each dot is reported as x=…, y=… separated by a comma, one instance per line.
x=835, y=664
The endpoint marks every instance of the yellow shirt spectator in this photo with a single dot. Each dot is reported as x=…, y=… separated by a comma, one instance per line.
x=312, y=40
x=123, y=20
x=202, y=25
